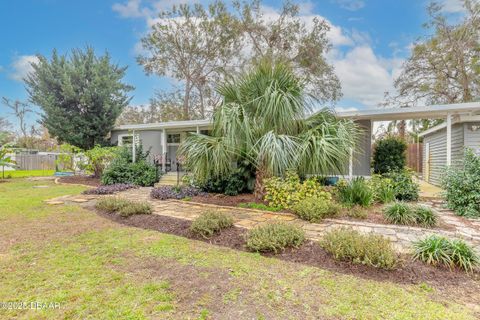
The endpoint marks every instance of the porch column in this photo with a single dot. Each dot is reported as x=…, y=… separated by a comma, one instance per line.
x=164, y=150
x=198, y=129
x=134, y=147
x=449, y=139
x=350, y=165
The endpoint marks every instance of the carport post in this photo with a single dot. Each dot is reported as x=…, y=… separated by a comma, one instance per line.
x=198, y=129
x=164, y=150
x=134, y=148
x=449, y=139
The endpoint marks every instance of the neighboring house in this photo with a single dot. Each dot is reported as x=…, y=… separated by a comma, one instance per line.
x=164, y=138
x=465, y=133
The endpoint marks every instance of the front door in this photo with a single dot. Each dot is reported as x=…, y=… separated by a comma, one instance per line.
x=172, y=156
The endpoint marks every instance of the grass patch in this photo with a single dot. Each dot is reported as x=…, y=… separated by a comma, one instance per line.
x=27, y=173
x=274, y=237
x=211, y=222
x=370, y=249
x=406, y=214
x=436, y=250
x=258, y=206
x=357, y=212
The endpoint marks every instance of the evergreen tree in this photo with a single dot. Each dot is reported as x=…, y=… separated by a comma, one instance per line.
x=81, y=96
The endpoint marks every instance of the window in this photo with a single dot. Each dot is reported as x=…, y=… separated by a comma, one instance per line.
x=173, y=138
x=125, y=139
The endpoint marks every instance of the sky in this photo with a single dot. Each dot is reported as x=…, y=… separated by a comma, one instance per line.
x=370, y=38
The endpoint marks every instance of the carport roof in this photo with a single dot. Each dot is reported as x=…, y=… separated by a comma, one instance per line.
x=420, y=112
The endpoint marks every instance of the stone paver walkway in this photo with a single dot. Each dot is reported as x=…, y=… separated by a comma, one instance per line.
x=401, y=236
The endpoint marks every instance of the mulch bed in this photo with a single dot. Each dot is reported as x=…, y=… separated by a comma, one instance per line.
x=79, y=179
x=310, y=253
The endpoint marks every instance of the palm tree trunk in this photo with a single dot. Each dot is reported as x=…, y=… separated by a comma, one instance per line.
x=260, y=176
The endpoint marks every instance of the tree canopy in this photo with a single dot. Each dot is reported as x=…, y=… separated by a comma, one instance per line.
x=81, y=95
x=265, y=120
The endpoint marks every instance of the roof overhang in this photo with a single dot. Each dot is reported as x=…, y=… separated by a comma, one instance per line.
x=419, y=112
x=166, y=125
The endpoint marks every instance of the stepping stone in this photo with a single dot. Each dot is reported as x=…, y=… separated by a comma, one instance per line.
x=80, y=200
x=41, y=186
x=246, y=223
x=54, y=202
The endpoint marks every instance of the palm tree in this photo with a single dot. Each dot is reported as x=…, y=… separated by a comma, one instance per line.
x=264, y=120
x=5, y=160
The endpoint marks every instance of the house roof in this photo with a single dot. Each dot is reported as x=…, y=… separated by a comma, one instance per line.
x=166, y=125
x=419, y=112
x=379, y=114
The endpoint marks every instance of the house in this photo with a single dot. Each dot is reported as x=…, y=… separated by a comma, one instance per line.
x=465, y=133
x=164, y=138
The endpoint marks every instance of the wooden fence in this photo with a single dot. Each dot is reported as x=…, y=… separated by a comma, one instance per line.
x=35, y=161
x=415, y=157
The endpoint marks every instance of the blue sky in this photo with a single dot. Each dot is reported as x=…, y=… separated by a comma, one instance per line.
x=370, y=38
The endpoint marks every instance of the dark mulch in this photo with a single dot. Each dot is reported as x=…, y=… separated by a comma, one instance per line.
x=79, y=179
x=310, y=253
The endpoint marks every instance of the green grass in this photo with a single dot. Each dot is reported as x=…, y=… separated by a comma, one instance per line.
x=26, y=173
x=97, y=269
x=258, y=206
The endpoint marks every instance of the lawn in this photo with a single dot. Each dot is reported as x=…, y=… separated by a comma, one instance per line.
x=89, y=267
x=27, y=173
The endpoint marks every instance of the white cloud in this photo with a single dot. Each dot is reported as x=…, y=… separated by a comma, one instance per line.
x=452, y=6
x=345, y=109
x=131, y=9
x=22, y=67
x=364, y=76
x=351, y=5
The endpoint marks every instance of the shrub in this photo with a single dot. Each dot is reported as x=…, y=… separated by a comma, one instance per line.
x=437, y=250
x=425, y=216
x=211, y=222
x=285, y=193
x=462, y=186
x=389, y=155
x=274, y=237
x=357, y=212
x=133, y=208
x=406, y=189
x=110, y=189
x=241, y=180
x=99, y=158
x=399, y=213
x=124, y=207
x=170, y=192
x=383, y=189
x=349, y=245
x=355, y=192
x=111, y=204
x=123, y=170
x=258, y=206
x=314, y=209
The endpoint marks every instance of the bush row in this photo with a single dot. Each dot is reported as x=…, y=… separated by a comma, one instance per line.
x=110, y=189
x=123, y=207
x=407, y=214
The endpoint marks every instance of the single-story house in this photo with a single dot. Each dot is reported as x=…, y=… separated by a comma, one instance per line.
x=164, y=138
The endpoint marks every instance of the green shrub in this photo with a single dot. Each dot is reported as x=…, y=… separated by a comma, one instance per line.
x=425, y=216
x=211, y=222
x=315, y=209
x=241, y=180
x=350, y=245
x=123, y=170
x=437, y=250
x=355, y=192
x=389, y=155
x=462, y=186
x=111, y=204
x=99, y=158
x=258, y=206
x=399, y=213
x=357, y=212
x=134, y=208
x=274, y=237
x=285, y=193
x=406, y=189
x=124, y=207
x=383, y=189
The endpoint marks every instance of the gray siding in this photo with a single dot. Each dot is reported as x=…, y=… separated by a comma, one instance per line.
x=150, y=139
x=363, y=151
x=472, y=136
x=438, y=152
